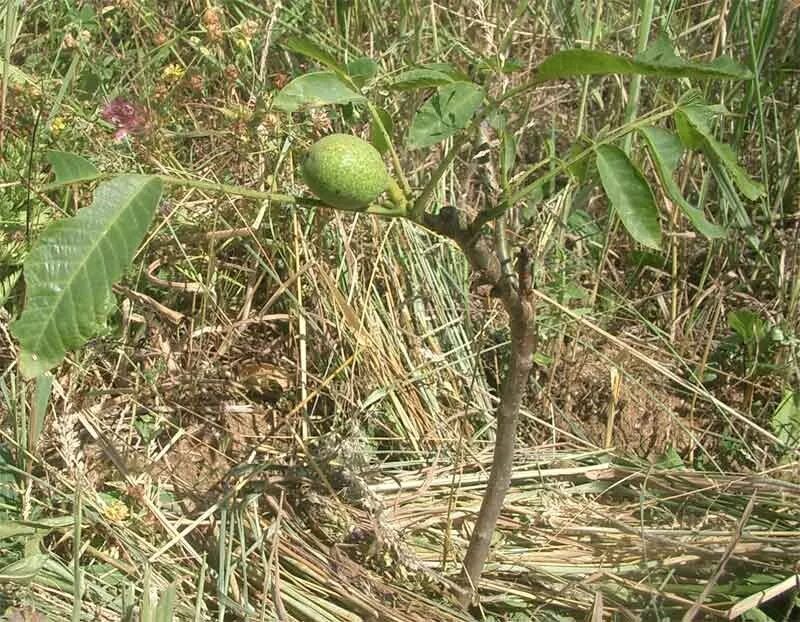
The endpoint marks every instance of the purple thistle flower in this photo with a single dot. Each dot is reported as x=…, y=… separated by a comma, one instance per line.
x=127, y=117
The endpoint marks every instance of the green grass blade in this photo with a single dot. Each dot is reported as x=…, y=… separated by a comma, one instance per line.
x=165, y=609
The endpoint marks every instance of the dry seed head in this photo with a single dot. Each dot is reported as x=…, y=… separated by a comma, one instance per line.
x=212, y=16
x=320, y=121
x=69, y=445
x=249, y=28
x=231, y=73
x=212, y=21
x=196, y=82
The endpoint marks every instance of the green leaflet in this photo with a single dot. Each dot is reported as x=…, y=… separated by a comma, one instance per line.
x=70, y=168
x=695, y=130
x=320, y=88
x=630, y=195
x=665, y=150
x=448, y=111
x=71, y=268
x=419, y=78
x=309, y=48
x=657, y=60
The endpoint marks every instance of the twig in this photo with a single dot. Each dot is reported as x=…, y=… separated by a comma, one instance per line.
x=275, y=197
x=722, y=562
x=754, y=600
x=396, y=164
x=424, y=199
x=174, y=317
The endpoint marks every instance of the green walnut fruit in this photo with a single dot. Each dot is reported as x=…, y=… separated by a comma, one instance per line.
x=345, y=172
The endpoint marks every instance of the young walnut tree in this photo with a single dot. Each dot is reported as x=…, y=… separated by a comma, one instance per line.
x=75, y=262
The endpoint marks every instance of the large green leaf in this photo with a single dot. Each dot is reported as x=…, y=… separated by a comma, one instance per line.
x=658, y=60
x=694, y=122
x=630, y=195
x=448, y=111
x=320, y=88
x=70, y=168
x=665, y=150
x=71, y=268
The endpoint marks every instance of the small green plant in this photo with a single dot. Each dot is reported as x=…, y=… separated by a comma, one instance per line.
x=70, y=271
x=755, y=340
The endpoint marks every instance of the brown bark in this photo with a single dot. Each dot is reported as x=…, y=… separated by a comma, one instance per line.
x=518, y=302
x=513, y=390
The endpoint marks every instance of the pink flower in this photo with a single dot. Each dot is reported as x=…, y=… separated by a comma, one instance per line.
x=128, y=118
